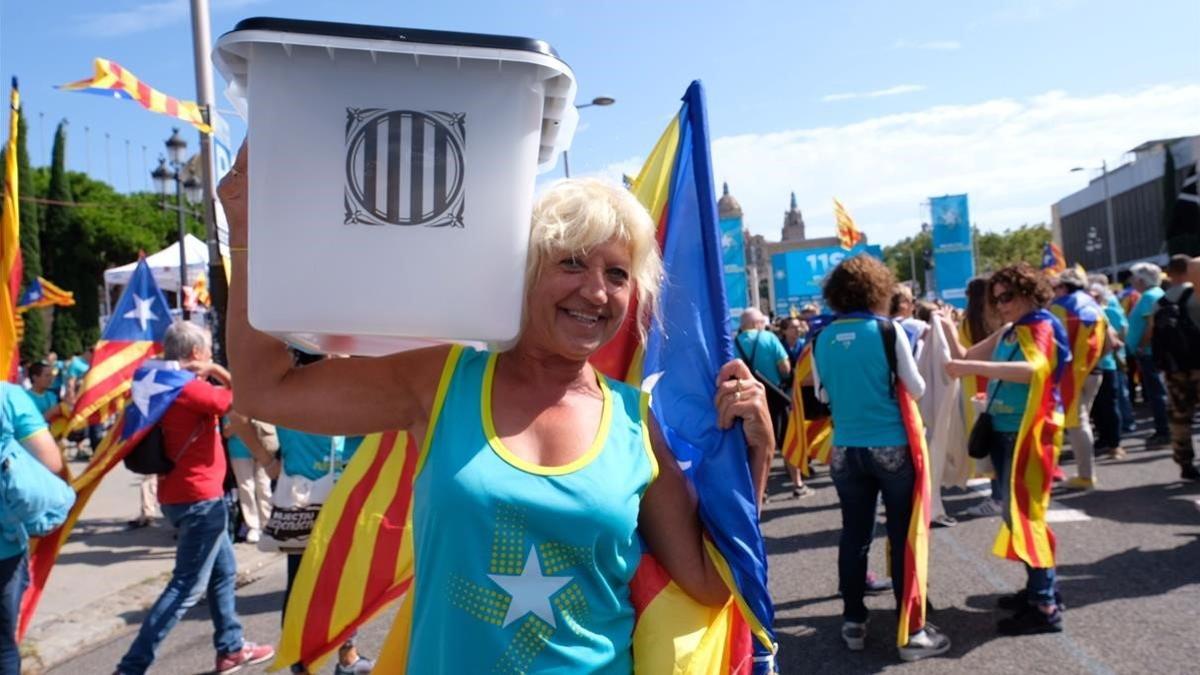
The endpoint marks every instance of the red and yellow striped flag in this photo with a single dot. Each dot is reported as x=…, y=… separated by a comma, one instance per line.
x=806, y=440
x=110, y=79
x=42, y=293
x=847, y=231
x=1086, y=328
x=10, y=246
x=1024, y=534
x=916, y=542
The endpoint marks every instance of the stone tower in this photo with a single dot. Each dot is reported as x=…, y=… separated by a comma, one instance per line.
x=727, y=205
x=793, y=223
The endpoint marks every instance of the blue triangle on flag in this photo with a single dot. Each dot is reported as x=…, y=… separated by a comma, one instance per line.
x=155, y=386
x=142, y=313
x=33, y=293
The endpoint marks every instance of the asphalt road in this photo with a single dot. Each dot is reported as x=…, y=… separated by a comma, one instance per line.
x=1129, y=569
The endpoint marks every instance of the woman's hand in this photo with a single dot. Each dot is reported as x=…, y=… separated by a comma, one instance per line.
x=739, y=395
x=232, y=191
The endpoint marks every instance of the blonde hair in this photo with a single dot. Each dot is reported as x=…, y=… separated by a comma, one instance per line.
x=575, y=215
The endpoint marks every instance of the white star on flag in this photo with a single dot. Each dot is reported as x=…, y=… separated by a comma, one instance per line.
x=530, y=591
x=145, y=389
x=142, y=312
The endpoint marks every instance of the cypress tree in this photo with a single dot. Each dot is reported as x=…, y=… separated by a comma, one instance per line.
x=59, y=233
x=33, y=345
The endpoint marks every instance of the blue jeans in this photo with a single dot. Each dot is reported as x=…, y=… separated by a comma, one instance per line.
x=1155, y=392
x=1040, y=582
x=203, y=560
x=860, y=476
x=1124, y=405
x=14, y=578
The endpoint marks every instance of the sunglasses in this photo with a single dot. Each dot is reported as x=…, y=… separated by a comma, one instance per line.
x=1004, y=298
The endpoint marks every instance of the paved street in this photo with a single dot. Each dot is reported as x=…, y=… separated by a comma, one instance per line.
x=1128, y=565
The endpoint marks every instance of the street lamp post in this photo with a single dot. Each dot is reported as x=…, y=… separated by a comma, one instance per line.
x=1108, y=215
x=600, y=101
x=172, y=170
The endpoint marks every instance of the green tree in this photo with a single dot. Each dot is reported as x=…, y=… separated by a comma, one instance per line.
x=33, y=345
x=60, y=240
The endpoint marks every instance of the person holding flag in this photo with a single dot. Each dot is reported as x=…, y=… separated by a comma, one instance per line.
x=175, y=395
x=538, y=478
x=863, y=366
x=1024, y=364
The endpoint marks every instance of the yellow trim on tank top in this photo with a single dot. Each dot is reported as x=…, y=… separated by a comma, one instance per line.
x=489, y=429
x=644, y=408
x=439, y=399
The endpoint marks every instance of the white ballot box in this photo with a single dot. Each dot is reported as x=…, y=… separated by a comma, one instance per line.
x=392, y=178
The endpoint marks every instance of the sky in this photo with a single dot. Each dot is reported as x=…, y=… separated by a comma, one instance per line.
x=880, y=104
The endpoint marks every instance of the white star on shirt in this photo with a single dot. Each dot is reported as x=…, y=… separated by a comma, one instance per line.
x=144, y=389
x=142, y=311
x=530, y=591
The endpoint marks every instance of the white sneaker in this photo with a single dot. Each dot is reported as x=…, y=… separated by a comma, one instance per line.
x=984, y=509
x=928, y=642
x=854, y=635
x=252, y=536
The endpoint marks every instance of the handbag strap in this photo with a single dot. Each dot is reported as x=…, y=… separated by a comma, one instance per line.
x=188, y=442
x=999, y=382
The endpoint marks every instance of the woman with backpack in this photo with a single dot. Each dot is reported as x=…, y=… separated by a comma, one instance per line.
x=864, y=368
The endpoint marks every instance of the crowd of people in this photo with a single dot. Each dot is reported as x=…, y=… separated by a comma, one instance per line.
x=535, y=435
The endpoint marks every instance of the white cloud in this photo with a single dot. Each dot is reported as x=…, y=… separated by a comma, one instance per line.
x=1012, y=156
x=934, y=45
x=890, y=91
x=144, y=17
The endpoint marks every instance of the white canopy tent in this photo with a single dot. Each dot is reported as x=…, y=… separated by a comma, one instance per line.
x=164, y=265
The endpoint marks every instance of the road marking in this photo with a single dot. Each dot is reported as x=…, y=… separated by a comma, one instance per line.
x=1064, y=515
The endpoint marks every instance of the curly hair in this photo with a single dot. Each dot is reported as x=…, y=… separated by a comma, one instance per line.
x=859, y=284
x=1023, y=280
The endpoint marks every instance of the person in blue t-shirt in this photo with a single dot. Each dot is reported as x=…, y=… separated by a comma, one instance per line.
x=768, y=360
x=871, y=456
x=20, y=421
x=41, y=377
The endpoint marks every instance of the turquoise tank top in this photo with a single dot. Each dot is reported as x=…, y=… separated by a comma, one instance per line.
x=1008, y=399
x=520, y=567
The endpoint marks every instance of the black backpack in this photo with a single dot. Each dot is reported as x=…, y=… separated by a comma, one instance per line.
x=1175, y=340
x=149, y=457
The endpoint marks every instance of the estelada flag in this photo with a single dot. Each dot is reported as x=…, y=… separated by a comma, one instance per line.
x=847, y=231
x=110, y=79
x=134, y=333
x=360, y=554
x=1086, y=327
x=156, y=386
x=41, y=293
x=1052, y=258
x=1024, y=534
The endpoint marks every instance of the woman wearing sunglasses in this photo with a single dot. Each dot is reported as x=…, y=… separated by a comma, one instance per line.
x=1023, y=362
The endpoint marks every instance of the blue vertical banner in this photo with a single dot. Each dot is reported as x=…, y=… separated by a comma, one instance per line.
x=733, y=261
x=953, y=248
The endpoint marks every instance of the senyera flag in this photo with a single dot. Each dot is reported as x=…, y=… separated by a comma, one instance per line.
x=134, y=333
x=10, y=246
x=360, y=555
x=156, y=386
x=807, y=440
x=1024, y=534
x=1052, y=258
x=110, y=79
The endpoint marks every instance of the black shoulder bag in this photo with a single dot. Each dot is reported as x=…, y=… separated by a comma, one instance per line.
x=776, y=397
x=979, y=443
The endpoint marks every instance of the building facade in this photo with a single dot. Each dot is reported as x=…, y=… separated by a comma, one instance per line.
x=1137, y=193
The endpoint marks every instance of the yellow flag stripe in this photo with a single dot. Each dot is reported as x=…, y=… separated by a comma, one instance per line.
x=652, y=187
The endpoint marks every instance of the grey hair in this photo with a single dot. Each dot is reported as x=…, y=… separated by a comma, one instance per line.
x=1149, y=273
x=182, y=338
